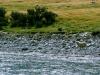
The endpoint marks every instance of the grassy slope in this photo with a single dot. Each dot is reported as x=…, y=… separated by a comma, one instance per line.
x=73, y=15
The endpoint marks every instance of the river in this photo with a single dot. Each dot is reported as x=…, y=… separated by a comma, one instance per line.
x=49, y=54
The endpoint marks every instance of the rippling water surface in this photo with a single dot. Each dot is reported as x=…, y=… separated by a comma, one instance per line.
x=49, y=56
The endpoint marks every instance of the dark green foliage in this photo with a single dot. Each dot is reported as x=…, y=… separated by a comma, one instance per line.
x=35, y=16
x=3, y=19
x=40, y=16
x=49, y=17
x=18, y=19
x=30, y=16
x=2, y=12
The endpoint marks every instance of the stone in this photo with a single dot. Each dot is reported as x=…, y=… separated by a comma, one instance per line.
x=81, y=44
x=24, y=49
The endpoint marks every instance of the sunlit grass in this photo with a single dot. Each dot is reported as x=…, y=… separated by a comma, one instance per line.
x=73, y=16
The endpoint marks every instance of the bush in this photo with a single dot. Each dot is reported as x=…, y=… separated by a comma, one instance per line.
x=40, y=16
x=35, y=16
x=3, y=19
x=18, y=19
x=49, y=17
x=2, y=12
x=31, y=17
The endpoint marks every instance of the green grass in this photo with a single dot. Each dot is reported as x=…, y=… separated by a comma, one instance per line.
x=72, y=18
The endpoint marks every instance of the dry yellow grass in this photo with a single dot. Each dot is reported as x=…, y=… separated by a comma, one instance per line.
x=80, y=14
x=51, y=1
x=65, y=8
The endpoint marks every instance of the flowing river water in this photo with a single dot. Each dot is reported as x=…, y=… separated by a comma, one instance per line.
x=49, y=54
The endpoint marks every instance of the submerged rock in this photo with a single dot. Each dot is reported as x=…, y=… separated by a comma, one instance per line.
x=96, y=33
x=24, y=49
x=81, y=44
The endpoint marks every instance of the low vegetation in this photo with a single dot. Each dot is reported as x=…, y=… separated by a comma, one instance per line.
x=18, y=19
x=37, y=17
x=40, y=16
x=3, y=19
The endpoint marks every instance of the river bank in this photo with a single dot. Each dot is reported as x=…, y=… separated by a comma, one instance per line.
x=51, y=43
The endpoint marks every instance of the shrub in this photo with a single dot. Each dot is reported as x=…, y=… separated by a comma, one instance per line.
x=18, y=19
x=40, y=16
x=3, y=19
x=2, y=12
x=49, y=17
x=35, y=16
x=31, y=17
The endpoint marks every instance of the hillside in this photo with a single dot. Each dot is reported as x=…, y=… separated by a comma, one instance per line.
x=73, y=15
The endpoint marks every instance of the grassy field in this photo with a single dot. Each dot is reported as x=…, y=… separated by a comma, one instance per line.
x=73, y=15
